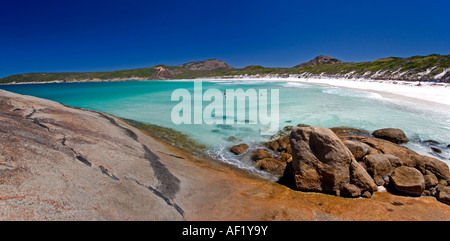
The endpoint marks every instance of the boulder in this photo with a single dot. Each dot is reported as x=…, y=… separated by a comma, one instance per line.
x=280, y=144
x=437, y=167
x=285, y=144
x=360, y=177
x=350, y=190
x=443, y=194
x=288, y=128
x=285, y=157
x=272, y=145
x=430, y=180
x=260, y=153
x=320, y=160
x=239, y=149
x=408, y=180
x=408, y=157
x=271, y=165
x=357, y=148
x=380, y=166
x=391, y=134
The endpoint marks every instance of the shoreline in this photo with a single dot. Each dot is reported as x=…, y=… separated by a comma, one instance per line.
x=406, y=91
x=426, y=94
x=189, y=188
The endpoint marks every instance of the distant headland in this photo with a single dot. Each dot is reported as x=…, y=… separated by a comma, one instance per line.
x=432, y=67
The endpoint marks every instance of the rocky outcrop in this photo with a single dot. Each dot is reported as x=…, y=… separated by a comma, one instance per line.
x=64, y=163
x=391, y=134
x=384, y=157
x=321, y=162
x=209, y=64
x=319, y=60
x=328, y=160
x=163, y=74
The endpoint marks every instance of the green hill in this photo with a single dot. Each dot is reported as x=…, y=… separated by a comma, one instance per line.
x=421, y=68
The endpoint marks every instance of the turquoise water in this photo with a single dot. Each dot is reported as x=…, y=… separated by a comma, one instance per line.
x=150, y=102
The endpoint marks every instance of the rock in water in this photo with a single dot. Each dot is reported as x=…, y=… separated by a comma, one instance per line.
x=239, y=149
x=391, y=134
x=321, y=162
x=271, y=165
x=260, y=153
x=408, y=180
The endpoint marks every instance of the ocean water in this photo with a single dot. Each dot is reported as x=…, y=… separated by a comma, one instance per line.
x=316, y=105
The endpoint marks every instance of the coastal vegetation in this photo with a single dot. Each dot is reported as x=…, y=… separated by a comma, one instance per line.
x=433, y=67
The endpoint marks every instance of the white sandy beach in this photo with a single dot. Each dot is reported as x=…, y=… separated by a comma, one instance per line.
x=424, y=93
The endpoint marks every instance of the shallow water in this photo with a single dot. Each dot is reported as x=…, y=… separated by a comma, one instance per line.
x=150, y=102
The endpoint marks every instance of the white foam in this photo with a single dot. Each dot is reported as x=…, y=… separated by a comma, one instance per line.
x=381, y=189
x=351, y=93
x=296, y=85
x=427, y=91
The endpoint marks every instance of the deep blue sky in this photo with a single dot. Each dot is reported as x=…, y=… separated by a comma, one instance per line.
x=67, y=35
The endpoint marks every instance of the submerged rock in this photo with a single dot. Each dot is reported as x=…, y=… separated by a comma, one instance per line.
x=435, y=149
x=345, y=130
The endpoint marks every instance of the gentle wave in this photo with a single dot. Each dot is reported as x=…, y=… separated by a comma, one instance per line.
x=350, y=93
x=223, y=154
x=296, y=85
